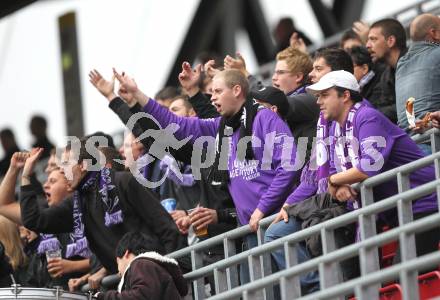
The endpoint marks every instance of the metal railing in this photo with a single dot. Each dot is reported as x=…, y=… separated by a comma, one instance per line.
x=225, y=271
x=287, y=277
x=226, y=274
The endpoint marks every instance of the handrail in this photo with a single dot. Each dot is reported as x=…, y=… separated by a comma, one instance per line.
x=425, y=137
x=340, y=254
x=214, y=241
x=107, y=282
x=340, y=221
x=239, y=232
x=301, y=235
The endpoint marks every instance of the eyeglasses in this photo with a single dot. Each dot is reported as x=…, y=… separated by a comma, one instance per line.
x=281, y=72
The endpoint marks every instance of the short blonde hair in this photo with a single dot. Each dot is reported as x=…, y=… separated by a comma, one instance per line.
x=297, y=61
x=234, y=77
x=10, y=238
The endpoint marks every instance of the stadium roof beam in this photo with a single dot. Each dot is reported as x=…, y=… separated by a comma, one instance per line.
x=339, y=17
x=9, y=7
x=214, y=28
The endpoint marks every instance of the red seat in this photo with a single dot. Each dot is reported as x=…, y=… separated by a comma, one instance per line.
x=429, y=285
x=391, y=292
x=388, y=251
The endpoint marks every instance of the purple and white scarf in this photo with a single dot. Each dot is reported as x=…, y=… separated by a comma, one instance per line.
x=79, y=245
x=48, y=242
x=109, y=197
x=322, y=153
x=346, y=155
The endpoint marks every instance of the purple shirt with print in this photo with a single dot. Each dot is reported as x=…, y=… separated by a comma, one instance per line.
x=251, y=186
x=308, y=186
x=395, y=148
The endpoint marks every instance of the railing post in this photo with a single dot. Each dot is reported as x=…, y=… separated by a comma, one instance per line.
x=329, y=273
x=369, y=259
x=437, y=176
x=266, y=262
x=407, y=242
x=435, y=141
x=220, y=281
x=435, y=147
x=290, y=287
x=255, y=272
x=232, y=272
x=199, y=284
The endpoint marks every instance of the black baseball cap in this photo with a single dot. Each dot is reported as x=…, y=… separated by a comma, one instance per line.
x=274, y=96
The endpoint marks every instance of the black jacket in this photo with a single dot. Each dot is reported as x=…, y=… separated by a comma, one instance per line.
x=141, y=212
x=387, y=101
x=372, y=91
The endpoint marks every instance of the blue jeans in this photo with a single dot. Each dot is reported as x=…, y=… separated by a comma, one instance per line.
x=309, y=281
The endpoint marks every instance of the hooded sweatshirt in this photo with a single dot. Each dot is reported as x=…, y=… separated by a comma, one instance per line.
x=149, y=276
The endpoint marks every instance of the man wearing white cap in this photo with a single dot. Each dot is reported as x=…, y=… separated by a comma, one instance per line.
x=366, y=143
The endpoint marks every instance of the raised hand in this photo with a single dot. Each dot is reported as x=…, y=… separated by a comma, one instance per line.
x=297, y=43
x=128, y=89
x=105, y=87
x=189, y=79
x=237, y=63
x=361, y=29
x=29, y=165
x=18, y=160
x=209, y=69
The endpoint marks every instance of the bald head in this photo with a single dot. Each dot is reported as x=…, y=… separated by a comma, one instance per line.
x=425, y=27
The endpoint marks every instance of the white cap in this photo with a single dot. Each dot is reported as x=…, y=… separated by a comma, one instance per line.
x=340, y=78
